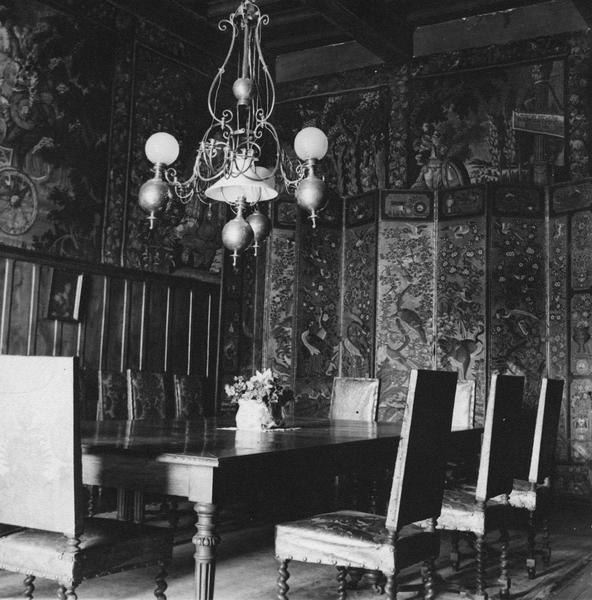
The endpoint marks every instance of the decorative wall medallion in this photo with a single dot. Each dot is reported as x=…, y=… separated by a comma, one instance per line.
x=406, y=205
x=285, y=213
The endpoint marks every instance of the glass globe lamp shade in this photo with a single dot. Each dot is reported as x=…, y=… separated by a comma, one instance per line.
x=161, y=148
x=249, y=182
x=310, y=143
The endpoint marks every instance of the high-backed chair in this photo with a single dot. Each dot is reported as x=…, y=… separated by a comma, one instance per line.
x=354, y=398
x=41, y=486
x=112, y=403
x=146, y=395
x=532, y=491
x=351, y=539
x=475, y=509
x=190, y=393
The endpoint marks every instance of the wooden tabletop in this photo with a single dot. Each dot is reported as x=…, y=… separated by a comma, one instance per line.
x=215, y=440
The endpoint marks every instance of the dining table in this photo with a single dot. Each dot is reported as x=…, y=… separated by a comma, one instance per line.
x=210, y=462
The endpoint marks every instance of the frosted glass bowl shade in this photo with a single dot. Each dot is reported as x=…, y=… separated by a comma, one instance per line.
x=161, y=148
x=310, y=143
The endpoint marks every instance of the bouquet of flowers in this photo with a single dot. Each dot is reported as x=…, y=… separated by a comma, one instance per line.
x=262, y=387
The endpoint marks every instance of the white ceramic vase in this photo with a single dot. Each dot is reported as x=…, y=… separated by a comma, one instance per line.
x=253, y=415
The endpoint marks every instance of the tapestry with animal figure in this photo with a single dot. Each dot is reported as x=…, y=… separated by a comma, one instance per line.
x=318, y=305
x=461, y=288
x=405, y=292
x=280, y=306
x=518, y=287
x=359, y=286
x=55, y=98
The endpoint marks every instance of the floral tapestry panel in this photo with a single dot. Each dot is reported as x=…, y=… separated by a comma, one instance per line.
x=465, y=118
x=55, y=98
x=571, y=196
x=317, y=338
x=581, y=250
x=405, y=308
x=280, y=305
x=518, y=201
x=558, y=327
x=573, y=479
x=461, y=301
x=359, y=288
x=187, y=237
x=517, y=300
x=581, y=328
x=581, y=412
x=356, y=124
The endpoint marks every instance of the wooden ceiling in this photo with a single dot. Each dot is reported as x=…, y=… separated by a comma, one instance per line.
x=385, y=27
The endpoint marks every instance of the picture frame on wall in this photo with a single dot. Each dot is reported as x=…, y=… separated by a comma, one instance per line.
x=65, y=291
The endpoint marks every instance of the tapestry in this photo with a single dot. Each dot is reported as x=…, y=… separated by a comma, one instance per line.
x=55, y=100
x=467, y=118
x=356, y=124
x=405, y=306
x=461, y=285
x=518, y=289
x=187, y=237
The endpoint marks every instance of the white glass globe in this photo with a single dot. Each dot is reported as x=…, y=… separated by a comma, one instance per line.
x=310, y=143
x=161, y=147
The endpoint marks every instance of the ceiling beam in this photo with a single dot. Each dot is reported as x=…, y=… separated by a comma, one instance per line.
x=585, y=9
x=377, y=30
x=457, y=9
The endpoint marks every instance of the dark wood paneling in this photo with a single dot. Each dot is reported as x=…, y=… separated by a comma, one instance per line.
x=93, y=320
x=45, y=328
x=156, y=327
x=179, y=331
x=115, y=324
x=135, y=332
x=201, y=316
x=19, y=308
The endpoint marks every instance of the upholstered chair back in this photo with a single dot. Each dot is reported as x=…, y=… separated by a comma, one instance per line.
x=464, y=405
x=545, y=431
x=498, y=461
x=112, y=402
x=40, y=455
x=354, y=398
x=418, y=482
x=146, y=395
x=190, y=392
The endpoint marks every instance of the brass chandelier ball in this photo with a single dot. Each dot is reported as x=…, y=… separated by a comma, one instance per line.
x=237, y=235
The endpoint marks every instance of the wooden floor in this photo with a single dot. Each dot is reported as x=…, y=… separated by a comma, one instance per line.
x=247, y=570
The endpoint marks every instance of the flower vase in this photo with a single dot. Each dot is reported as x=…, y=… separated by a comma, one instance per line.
x=252, y=414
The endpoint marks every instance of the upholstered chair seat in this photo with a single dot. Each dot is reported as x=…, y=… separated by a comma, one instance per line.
x=355, y=540
x=106, y=546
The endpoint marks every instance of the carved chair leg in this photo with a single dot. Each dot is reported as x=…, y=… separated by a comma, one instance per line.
x=123, y=505
x=355, y=576
x=161, y=584
x=341, y=587
x=531, y=557
x=546, y=542
x=29, y=587
x=480, y=549
x=454, y=551
x=390, y=588
x=283, y=576
x=428, y=579
x=70, y=591
x=377, y=580
x=504, y=579
x=61, y=592
x=139, y=506
x=91, y=507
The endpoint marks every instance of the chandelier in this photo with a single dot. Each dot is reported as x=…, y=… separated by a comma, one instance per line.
x=239, y=159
